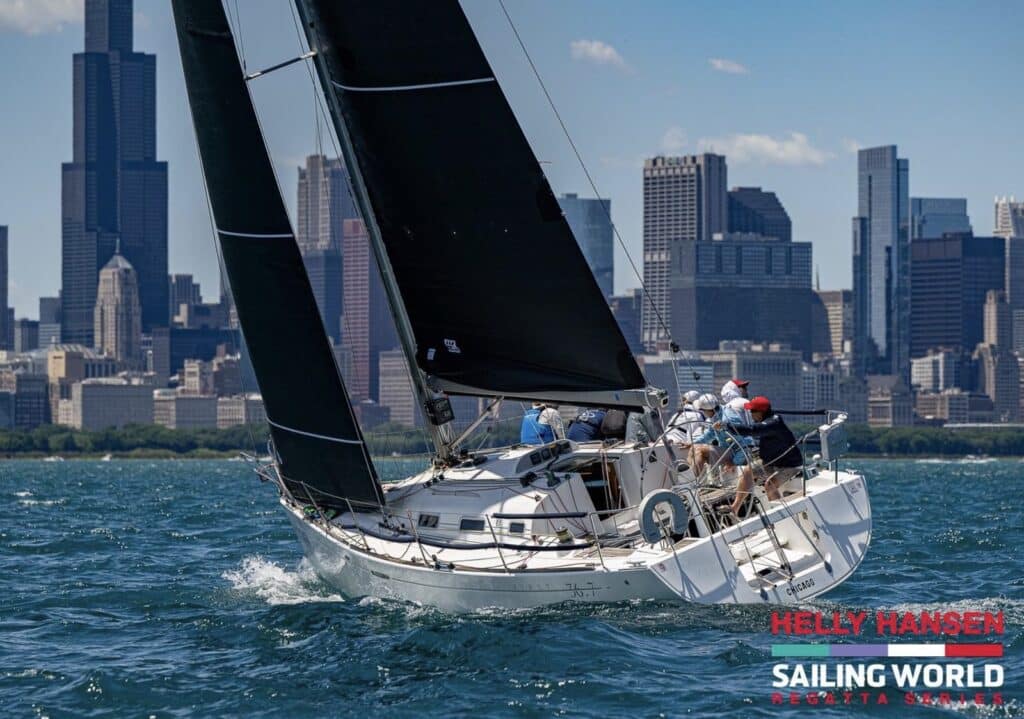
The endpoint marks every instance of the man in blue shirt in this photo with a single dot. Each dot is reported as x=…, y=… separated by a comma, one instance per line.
x=533, y=431
x=587, y=425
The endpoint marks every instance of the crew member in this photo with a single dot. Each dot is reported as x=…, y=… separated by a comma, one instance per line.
x=533, y=431
x=687, y=422
x=778, y=448
x=587, y=425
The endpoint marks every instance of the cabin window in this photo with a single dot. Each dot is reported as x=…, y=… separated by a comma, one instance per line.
x=516, y=528
x=427, y=520
x=471, y=525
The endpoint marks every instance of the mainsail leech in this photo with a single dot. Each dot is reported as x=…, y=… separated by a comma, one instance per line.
x=320, y=449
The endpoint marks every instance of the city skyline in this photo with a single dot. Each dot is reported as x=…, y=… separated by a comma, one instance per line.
x=631, y=60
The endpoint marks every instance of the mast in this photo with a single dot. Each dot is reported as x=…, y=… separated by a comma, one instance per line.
x=434, y=406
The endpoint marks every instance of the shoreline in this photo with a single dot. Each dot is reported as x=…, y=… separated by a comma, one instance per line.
x=210, y=454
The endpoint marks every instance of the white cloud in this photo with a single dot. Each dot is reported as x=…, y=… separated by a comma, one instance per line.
x=33, y=17
x=795, y=149
x=850, y=145
x=596, y=52
x=674, y=139
x=730, y=66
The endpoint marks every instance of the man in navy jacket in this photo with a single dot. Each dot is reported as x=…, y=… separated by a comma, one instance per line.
x=778, y=448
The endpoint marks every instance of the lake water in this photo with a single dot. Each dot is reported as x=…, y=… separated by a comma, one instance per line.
x=177, y=588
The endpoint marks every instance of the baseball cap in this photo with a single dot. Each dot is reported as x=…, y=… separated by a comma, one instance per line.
x=741, y=382
x=758, y=404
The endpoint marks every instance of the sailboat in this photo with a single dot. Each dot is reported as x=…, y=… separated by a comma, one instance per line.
x=492, y=298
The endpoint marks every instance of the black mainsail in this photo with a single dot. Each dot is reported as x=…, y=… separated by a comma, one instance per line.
x=321, y=453
x=496, y=290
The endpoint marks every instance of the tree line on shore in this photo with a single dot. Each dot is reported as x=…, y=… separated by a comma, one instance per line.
x=394, y=439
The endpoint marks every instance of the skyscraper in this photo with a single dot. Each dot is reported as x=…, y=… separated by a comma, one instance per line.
x=684, y=199
x=881, y=263
x=950, y=277
x=753, y=210
x=932, y=217
x=1009, y=221
x=117, y=317
x=6, y=331
x=367, y=326
x=1009, y=217
x=743, y=287
x=591, y=224
x=839, y=315
x=49, y=321
x=114, y=190
x=998, y=367
x=626, y=310
x=183, y=290
x=324, y=269
x=324, y=203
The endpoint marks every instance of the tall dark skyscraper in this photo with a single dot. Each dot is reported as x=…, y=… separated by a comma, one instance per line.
x=684, y=199
x=743, y=287
x=751, y=209
x=591, y=224
x=950, y=278
x=114, y=189
x=881, y=263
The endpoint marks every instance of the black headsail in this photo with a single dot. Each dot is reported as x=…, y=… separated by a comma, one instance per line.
x=315, y=433
x=497, y=292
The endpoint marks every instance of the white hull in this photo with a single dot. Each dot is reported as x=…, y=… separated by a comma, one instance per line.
x=822, y=535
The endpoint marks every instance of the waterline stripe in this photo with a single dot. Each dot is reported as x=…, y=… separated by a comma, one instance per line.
x=313, y=434
x=424, y=86
x=888, y=650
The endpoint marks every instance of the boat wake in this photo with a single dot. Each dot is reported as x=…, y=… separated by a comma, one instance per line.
x=276, y=585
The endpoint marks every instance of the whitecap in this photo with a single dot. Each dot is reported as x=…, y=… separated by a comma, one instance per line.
x=411, y=610
x=23, y=493
x=40, y=502
x=276, y=585
x=1011, y=708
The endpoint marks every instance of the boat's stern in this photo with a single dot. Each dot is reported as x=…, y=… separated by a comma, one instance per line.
x=785, y=551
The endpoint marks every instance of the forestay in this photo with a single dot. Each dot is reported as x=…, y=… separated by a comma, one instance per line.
x=498, y=294
x=317, y=440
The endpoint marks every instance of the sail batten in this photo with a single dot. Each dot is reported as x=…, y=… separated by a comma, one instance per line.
x=404, y=88
x=320, y=452
x=498, y=294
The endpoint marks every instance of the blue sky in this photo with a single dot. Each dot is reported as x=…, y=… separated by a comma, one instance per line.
x=786, y=90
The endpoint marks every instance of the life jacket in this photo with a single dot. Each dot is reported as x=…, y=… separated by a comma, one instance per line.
x=587, y=426
x=532, y=431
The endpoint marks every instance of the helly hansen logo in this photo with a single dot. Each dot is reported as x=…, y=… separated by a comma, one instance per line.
x=452, y=346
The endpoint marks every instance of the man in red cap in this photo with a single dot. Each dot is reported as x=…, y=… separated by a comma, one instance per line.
x=778, y=448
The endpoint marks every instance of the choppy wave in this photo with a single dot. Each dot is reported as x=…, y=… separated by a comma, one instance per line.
x=276, y=585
